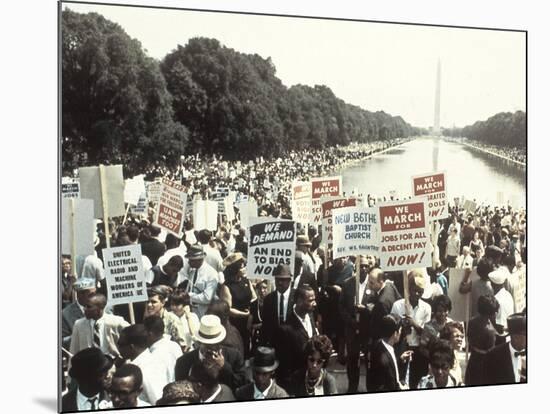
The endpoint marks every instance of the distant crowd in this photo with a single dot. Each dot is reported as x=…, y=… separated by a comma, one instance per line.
x=513, y=153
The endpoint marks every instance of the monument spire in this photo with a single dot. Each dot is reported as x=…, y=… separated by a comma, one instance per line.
x=437, y=127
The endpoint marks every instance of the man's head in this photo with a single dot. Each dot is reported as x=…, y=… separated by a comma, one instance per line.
x=89, y=368
x=132, y=341
x=171, y=241
x=178, y=393
x=487, y=306
x=417, y=284
x=498, y=278
x=66, y=264
x=173, y=266
x=366, y=264
x=465, y=251
x=376, y=280
x=195, y=255
x=282, y=277
x=85, y=287
x=157, y=298
x=298, y=262
x=126, y=385
x=305, y=300
x=210, y=336
x=204, y=378
x=517, y=328
x=302, y=243
x=178, y=301
x=204, y=236
x=154, y=326
x=95, y=305
x=264, y=365
x=133, y=233
x=390, y=329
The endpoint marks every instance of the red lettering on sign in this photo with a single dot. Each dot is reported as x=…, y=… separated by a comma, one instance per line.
x=402, y=217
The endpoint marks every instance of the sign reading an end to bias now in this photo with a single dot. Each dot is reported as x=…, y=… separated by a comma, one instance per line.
x=433, y=187
x=271, y=242
x=404, y=234
x=355, y=231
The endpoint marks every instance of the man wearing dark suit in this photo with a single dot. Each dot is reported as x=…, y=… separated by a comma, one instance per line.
x=386, y=295
x=302, y=276
x=291, y=338
x=504, y=364
x=274, y=314
x=264, y=386
x=356, y=319
x=205, y=379
x=89, y=369
x=152, y=247
x=384, y=374
x=211, y=352
x=84, y=289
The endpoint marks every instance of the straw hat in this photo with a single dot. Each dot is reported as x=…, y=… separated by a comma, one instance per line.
x=211, y=330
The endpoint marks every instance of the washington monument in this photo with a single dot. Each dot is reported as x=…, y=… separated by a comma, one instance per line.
x=437, y=127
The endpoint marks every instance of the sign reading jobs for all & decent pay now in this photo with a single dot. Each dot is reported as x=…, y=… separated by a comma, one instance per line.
x=322, y=187
x=170, y=212
x=404, y=234
x=271, y=242
x=124, y=274
x=433, y=187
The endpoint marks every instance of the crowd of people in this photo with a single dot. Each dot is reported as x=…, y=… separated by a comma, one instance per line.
x=210, y=332
x=512, y=153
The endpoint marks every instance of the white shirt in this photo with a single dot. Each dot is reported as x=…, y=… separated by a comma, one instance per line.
x=211, y=398
x=297, y=280
x=181, y=250
x=190, y=328
x=204, y=289
x=506, y=302
x=390, y=349
x=362, y=288
x=154, y=376
x=515, y=361
x=308, y=265
x=464, y=262
x=261, y=395
x=306, y=323
x=167, y=352
x=286, y=295
x=140, y=403
x=453, y=246
x=213, y=257
x=83, y=403
x=421, y=315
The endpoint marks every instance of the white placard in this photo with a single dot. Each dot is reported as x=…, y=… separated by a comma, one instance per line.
x=90, y=188
x=84, y=226
x=355, y=231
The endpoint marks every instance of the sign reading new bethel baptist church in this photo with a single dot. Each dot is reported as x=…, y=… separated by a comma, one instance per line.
x=404, y=234
x=124, y=275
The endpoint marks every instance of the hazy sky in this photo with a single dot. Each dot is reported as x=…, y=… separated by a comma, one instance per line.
x=376, y=66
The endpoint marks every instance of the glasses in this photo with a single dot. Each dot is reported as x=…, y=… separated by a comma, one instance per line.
x=315, y=360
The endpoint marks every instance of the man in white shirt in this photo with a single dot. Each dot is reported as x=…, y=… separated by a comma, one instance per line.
x=161, y=346
x=414, y=316
x=465, y=260
x=133, y=347
x=84, y=287
x=213, y=256
x=453, y=248
x=303, y=244
x=498, y=278
x=199, y=278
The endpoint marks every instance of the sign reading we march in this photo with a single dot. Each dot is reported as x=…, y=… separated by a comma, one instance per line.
x=170, y=212
x=404, y=235
x=322, y=187
x=124, y=275
x=433, y=187
x=271, y=242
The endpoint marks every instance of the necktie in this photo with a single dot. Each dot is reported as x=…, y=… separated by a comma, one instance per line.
x=519, y=353
x=195, y=277
x=92, y=403
x=281, y=308
x=96, y=340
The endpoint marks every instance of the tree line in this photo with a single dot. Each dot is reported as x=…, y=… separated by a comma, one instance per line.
x=121, y=106
x=505, y=129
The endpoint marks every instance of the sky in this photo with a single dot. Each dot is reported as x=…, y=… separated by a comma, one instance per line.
x=377, y=66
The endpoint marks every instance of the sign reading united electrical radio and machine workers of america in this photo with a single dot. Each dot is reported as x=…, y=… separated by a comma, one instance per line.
x=170, y=212
x=124, y=274
x=433, y=187
x=355, y=231
x=404, y=235
x=271, y=242
x=323, y=187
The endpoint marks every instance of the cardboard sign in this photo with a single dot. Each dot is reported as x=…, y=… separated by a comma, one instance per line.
x=301, y=201
x=220, y=193
x=83, y=228
x=124, y=274
x=229, y=210
x=170, y=211
x=434, y=188
x=141, y=206
x=470, y=206
x=355, y=231
x=70, y=190
x=519, y=293
x=153, y=190
x=90, y=188
x=205, y=215
x=270, y=242
x=404, y=235
x=322, y=187
x=328, y=204
x=133, y=189
x=459, y=311
x=247, y=209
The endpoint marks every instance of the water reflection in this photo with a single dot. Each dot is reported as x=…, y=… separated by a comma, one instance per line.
x=470, y=173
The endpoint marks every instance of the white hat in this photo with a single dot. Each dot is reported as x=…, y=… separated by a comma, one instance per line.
x=498, y=276
x=211, y=330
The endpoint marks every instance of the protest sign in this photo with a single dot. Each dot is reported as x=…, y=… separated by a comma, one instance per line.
x=205, y=215
x=133, y=188
x=270, y=242
x=459, y=311
x=355, y=231
x=324, y=186
x=520, y=290
x=170, y=211
x=70, y=189
x=124, y=274
x=404, y=235
x=77, y=226
x=301, y=201
x=328, y=204
x=248, y=208
x=106, y=189
x=434, y=188
x=229, y=210
x=141, y=206
x=153, y=190
x=470, y=206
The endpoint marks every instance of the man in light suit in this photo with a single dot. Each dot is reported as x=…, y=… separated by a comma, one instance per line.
x=97, y=328
x=264, y=386
x=84, y=288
